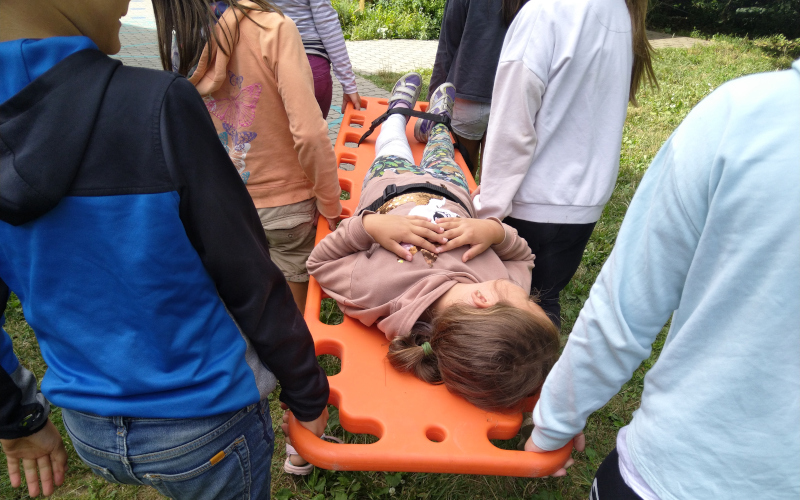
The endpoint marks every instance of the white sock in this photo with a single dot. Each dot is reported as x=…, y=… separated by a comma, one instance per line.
x=392, y=140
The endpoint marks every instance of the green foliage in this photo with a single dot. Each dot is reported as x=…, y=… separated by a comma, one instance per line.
x=412, y=19
x=742, y=17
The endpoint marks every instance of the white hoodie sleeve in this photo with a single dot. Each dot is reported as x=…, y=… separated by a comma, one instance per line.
x=510, y=138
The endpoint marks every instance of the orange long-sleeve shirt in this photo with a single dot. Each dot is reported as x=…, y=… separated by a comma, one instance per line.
x=261, y=98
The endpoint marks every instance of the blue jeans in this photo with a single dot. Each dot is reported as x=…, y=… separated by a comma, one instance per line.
x=221, y=457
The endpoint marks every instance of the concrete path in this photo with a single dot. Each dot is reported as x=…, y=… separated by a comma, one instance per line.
x=140, y=48
x=664, y=41
x=401, y=56
x=398, y=56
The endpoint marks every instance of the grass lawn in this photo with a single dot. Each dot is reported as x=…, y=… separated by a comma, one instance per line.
x=685, y=77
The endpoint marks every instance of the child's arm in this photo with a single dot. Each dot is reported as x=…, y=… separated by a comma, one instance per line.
x=223, y=226
x=284, y=54
x=480, y=234
x=519, y=86
x=358, y=234
x=23, y=409
x=327, y=23
x=25, y=431
x=331, y=263
x=455, y=15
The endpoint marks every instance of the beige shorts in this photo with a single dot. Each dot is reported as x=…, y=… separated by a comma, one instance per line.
x=290, y=231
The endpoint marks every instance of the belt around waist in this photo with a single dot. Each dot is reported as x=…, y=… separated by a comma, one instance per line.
x=392, y=191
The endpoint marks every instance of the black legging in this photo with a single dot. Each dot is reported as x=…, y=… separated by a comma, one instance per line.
x=608, y=482
x=558, y=249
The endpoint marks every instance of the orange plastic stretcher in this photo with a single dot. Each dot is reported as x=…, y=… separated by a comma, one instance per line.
x=420, y=427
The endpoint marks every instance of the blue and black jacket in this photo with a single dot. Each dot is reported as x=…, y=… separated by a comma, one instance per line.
x=135, y=250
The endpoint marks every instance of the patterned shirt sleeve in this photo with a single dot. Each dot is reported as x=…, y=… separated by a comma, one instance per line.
x=326, y=21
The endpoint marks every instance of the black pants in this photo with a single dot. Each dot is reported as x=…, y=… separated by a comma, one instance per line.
x=608, y=482
x=558, y=249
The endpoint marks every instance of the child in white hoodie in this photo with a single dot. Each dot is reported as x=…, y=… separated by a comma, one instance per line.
x=566, y=73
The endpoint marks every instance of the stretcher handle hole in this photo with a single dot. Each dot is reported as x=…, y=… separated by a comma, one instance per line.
x=351, y=140
x=357, y=121
x=436, y=434
x=383, y=101
x=329, y=312
x=346, y=186
x=347, y=161
x=330, y=363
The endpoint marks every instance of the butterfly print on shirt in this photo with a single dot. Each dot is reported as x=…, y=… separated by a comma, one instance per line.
x=236, y=110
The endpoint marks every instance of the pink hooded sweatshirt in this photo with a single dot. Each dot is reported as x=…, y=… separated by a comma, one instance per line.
x=372, y=285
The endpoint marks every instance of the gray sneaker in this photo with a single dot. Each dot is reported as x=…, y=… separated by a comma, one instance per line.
x=406, y=91
x=442, y=102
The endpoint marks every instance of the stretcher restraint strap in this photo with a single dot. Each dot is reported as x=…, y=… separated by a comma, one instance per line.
x=392, y=190
x=419, y=114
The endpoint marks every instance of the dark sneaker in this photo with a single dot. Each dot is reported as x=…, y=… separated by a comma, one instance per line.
x=406, y=91
x=442, y=102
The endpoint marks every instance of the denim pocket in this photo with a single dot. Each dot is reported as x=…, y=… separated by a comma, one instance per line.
x=100, y=471
x=226, y=475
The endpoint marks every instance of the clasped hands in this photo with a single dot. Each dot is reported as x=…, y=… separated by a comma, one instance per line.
x=390, y=231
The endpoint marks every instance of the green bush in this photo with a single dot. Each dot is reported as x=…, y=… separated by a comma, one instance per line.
x=741, y=17
x=415, y=19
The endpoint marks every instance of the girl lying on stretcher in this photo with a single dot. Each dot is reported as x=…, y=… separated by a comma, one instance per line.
x=449, y=291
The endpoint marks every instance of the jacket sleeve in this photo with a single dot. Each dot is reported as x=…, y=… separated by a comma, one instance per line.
x=326, y=20
x=510, y=138
x=23, y=409
x=285, y=56
x=516, y=256
x=638, y=289
x=223, y=226
x=455, y=15
x=326, y=263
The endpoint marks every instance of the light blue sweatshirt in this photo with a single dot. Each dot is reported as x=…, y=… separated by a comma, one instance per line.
x=711, y=239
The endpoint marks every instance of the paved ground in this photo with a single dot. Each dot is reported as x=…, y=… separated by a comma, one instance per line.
x=140, y=48
x=374, y=56
x=663, y=40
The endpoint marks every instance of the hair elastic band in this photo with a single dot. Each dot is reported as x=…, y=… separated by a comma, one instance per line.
x=426, y=348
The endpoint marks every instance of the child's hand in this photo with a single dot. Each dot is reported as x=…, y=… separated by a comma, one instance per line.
x=43, y=456
x=332, y=223
x=479, y=234
x=391, y=230
x=315, y=426
x=353, y=98
x=579, y=443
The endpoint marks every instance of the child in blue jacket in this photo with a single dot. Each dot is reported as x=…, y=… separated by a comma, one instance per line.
x=141, y=264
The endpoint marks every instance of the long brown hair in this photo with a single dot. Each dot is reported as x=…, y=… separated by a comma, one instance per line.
x=494, y=357
x=192, y=21
x=510, y=8
x=642, y=50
